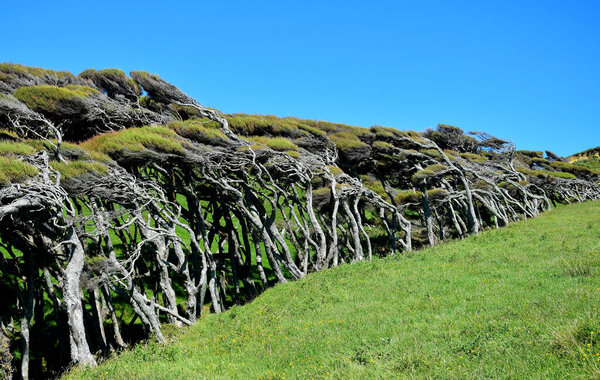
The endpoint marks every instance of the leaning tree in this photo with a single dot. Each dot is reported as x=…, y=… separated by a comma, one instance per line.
x=120, y=212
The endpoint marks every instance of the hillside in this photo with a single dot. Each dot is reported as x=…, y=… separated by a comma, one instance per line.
x=519, y=302
x=589, y=158
x=126, y=205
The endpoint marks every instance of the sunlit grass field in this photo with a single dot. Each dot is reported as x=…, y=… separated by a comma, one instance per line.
x=519, y=302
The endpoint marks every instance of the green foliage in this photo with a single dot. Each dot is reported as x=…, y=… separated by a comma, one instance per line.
x=563, y=166
x=386, y=132
x=428, y=172
x=409, y=196
x=292, y=153
x=540, y=162
x=451, y=137
x=592, y=162
x=322, y=191
x=481, y=184
x=335, y=170
x=146, y=74
x=495, y=305
x=12, y=68
x=346, y=141
x=586, y=153
x=54, y=99
x=374, y=184
x=81, y=91
x=312, y=130
x=383, y=146
x=116, y=73
x=13, y=170
x=382, y=131
x=78, y=168
x=531, y=153
x=292, y=127
x=160, y=139
x=543, y=173
x=280, y=144
x=505, y=185
x=40, y=144
x=433, y=153
x=473, y=157
x=453, y=155
x=186, y=112
x=200, y=130
x=7, y=134
x=113, y=81
x=71, y=151
x=578, y=171
x=331, y=128
x=435, y=194
x=98, y=156
x=248, y=125
x=321, y=197
x=16, y=148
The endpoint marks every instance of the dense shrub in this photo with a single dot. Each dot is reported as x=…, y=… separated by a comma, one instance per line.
x=17, y=148
x=198, y=130
x=382, y=146
x=543, y=173
x=451, y=137
x=531, y=153
x=409, y=196
x=577, y=170
x=53, y=100
x=280, y=144
x=473, y=157
x=590, y=163
x=13, y=170
x=78, y=168
x=12, y=68
x=345, y=141
x=114, y=82
x=428, y=172
x=160, y=139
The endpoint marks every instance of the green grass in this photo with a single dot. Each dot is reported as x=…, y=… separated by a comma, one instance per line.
x=519, y=302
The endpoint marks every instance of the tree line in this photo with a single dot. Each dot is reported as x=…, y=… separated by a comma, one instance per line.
x=125, y=204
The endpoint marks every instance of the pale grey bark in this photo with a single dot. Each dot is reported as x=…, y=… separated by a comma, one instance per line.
x=80, y=351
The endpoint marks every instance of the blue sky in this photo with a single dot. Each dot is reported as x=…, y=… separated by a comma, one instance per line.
x=527, y=71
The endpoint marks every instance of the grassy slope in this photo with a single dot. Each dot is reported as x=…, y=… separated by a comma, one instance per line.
x=519, y=302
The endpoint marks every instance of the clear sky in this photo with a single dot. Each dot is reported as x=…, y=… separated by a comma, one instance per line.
x=527, y=71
